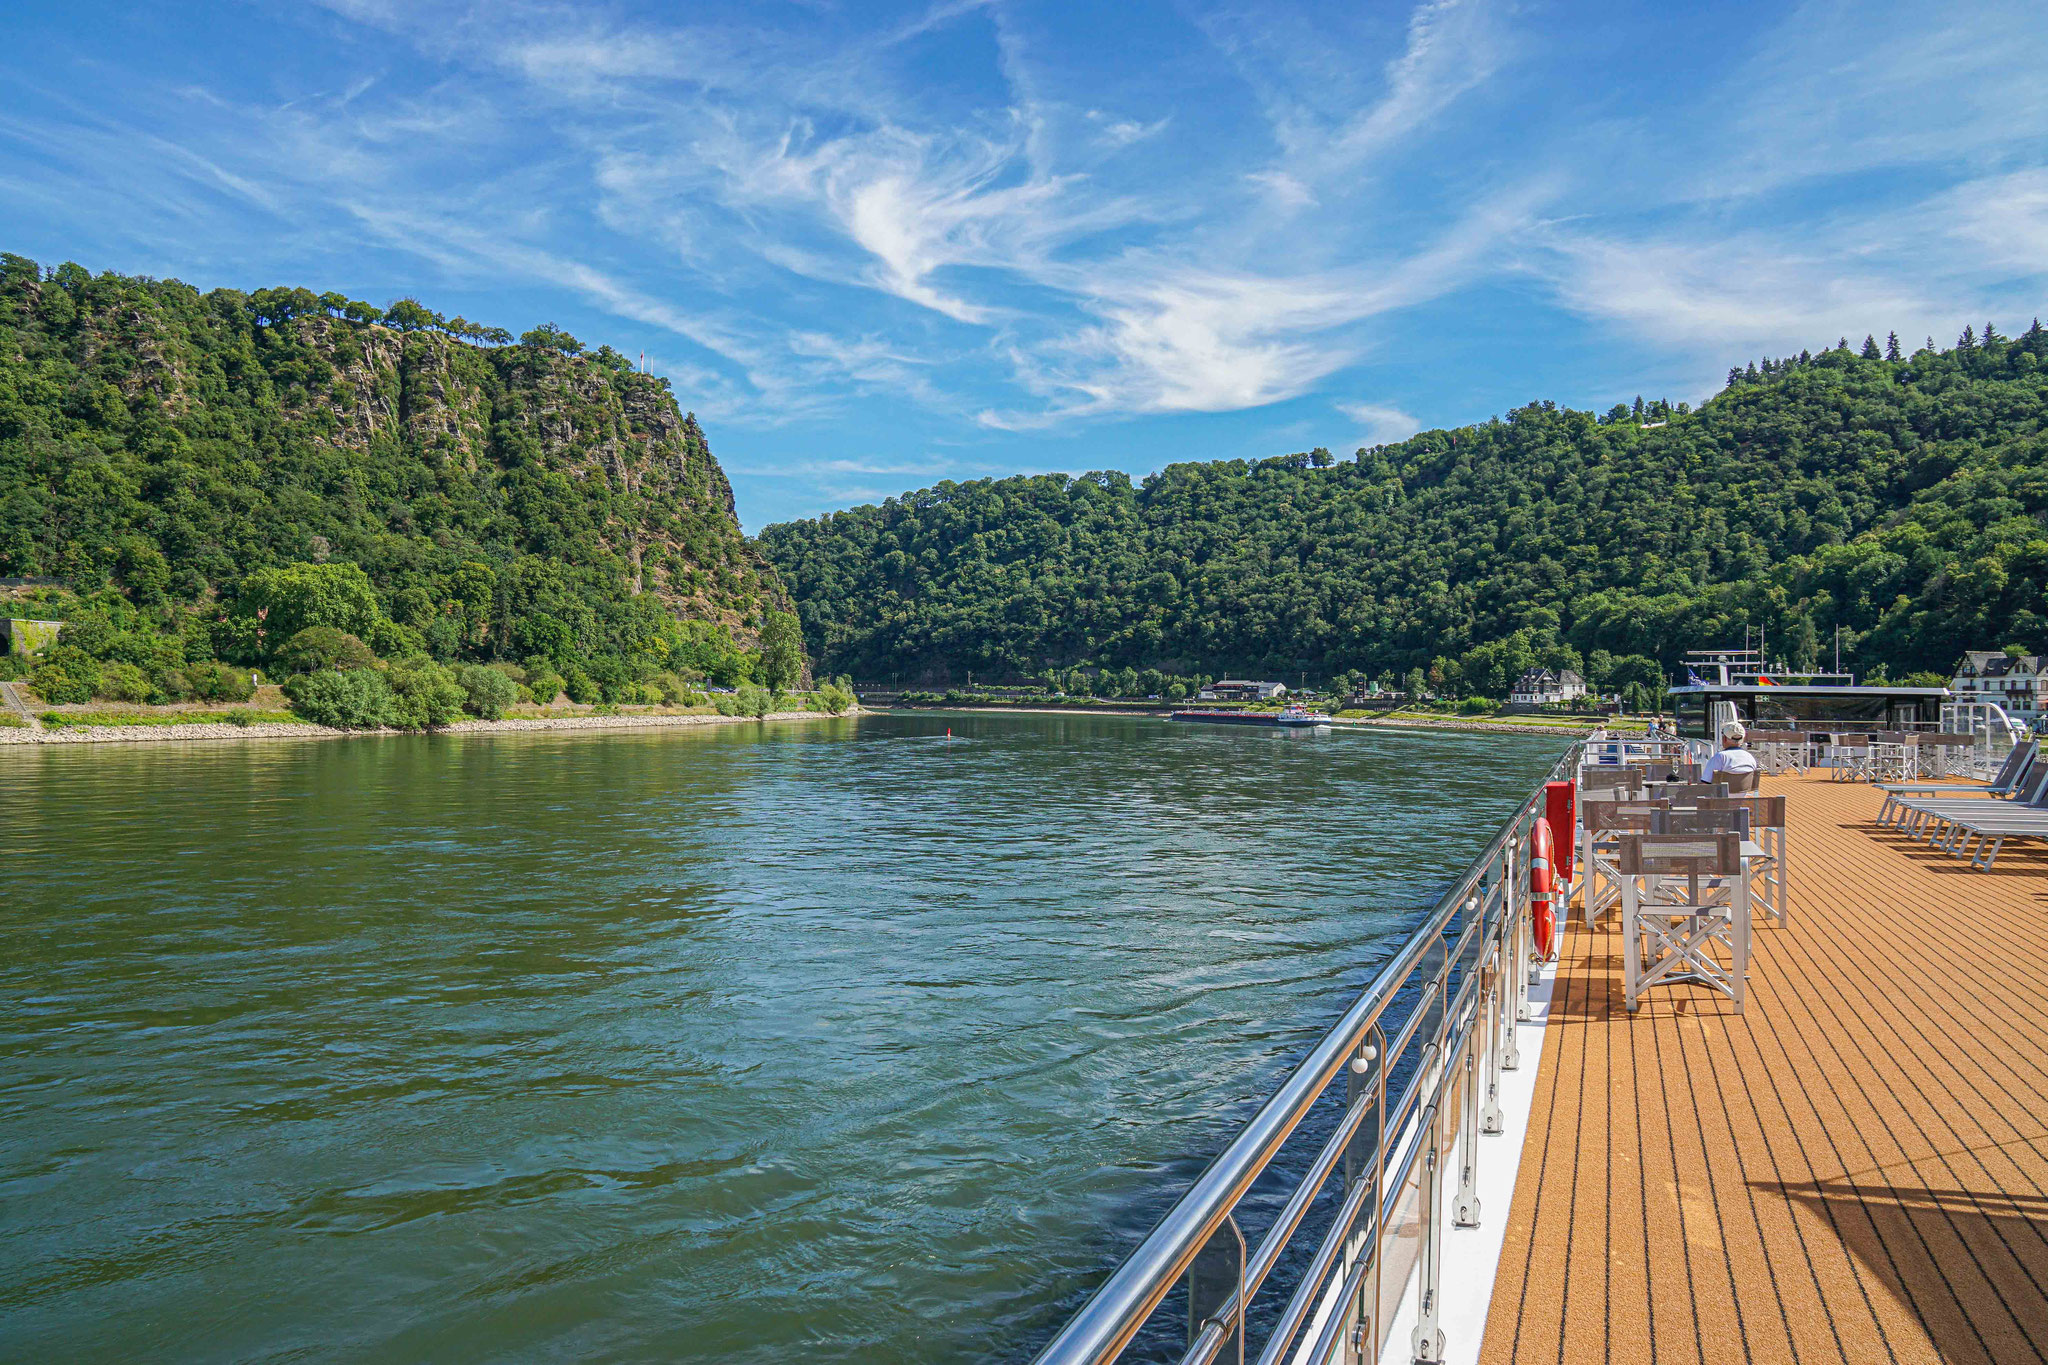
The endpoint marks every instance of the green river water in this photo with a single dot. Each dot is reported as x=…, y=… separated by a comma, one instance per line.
x=826, y=1041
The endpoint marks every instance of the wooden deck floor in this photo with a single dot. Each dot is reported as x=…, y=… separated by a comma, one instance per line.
x=1856, y=1169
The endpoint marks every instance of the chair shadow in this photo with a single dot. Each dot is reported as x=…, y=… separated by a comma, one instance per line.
x=2018, y=861
x=1979, y=1298
x=1589, y=984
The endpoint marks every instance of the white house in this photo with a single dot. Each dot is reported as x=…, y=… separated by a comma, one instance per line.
x=1540, y=685
x=2019, y=685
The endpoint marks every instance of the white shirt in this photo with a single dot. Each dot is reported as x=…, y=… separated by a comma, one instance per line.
x=1728, y=761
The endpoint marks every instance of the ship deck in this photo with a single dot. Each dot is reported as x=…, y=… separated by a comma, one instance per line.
x=1854, y=1170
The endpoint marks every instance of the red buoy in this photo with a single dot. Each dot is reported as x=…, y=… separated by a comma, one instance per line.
x=1542, y=910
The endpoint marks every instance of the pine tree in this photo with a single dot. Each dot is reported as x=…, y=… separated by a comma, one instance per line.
x=1989, y=335
x=1734, y=375
x=1891, y=347
x=2036, y=340
x=1805, y=357
x=1752, y=374
x=1968, y=340
x=1842, y=345
x=1639, y=407
x=1929, y=347
x=1869, y=346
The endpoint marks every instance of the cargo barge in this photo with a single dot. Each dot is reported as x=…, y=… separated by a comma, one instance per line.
x=1290, y=718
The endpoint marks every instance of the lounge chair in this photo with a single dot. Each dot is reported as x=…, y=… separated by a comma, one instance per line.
x=1930, y=817
x=1991, y=827
x=2005, y=782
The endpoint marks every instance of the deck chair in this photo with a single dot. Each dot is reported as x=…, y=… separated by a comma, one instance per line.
x=1850, y=758
x=1601, y=825
x=1684, y=897
x=1720, y=820
x=1686, y=793
x=1732, y=819
x=1938, y=753
x=1992, y=825
x=1930, y=817
x=1767, y=829
x=1602, y=779
x=2004, y=782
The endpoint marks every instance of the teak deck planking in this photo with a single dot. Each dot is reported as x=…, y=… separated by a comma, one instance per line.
x=1855, y=1169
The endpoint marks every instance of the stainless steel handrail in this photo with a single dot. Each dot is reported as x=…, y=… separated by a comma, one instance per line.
x=1492, y=957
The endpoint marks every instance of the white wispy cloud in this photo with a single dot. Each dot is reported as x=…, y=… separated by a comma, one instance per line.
x=2002, y=221
x=1839, y=88
x=1731, y=296
x=956, y=209
x=1378, y=423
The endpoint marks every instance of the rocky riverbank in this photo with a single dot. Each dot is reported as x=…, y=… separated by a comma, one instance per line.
x=159, y=734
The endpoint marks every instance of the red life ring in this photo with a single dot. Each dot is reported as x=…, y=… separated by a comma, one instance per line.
x=1542, y=912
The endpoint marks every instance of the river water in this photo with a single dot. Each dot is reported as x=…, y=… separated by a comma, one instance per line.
x=829, y=1041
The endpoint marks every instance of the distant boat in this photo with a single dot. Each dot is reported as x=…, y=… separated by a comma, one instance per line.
x=1290, y=718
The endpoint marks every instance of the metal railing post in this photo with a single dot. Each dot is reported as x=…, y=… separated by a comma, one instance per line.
x=1493, y=1028
x=1428, y=1338
x=1465, y=1212
x=1215, y=1283
x=1371, y=1318
x=1518, y=967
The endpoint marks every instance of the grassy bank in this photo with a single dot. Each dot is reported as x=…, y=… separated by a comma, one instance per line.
x=86, y=717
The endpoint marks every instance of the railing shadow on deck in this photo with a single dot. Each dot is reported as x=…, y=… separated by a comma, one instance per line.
x=1969, y=1265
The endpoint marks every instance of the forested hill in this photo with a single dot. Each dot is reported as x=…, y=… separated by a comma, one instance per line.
x=506, y=499
x=1900, y=498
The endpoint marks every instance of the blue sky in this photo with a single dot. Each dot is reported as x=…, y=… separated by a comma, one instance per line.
x=874, y=246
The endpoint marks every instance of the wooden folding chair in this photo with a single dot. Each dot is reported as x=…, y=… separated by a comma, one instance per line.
x=1767, y=830
x=1688, y=793
x=1605, y=779
x=1683, y=898
x=1601, y=825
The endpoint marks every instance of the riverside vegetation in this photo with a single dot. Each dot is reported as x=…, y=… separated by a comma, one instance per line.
x=411, y=517
x=1900, y=498
x=469, y=521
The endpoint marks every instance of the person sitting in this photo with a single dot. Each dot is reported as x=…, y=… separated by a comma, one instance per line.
x=1734, y=764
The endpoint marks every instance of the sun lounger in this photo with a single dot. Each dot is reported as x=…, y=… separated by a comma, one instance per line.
x=1990, y=831
x=1936, y=819
x=2010, y=775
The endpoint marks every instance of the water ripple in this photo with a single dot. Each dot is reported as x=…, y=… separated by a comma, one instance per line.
x=843, y=1039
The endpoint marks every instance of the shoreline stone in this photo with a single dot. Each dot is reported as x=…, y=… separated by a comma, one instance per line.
x=171, y=734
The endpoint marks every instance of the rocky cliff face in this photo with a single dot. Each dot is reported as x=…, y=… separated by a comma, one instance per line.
x=227, y=439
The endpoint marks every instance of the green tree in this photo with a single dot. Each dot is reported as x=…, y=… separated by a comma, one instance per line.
x=144, y=571
x=580, y=686
x=357, y=700
x=410, y=315
x=323, y=647
x=472, y=586
x=293, y=597
x=782, y=651
x=487, y=692
x=548, y=337
x=425, y=694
